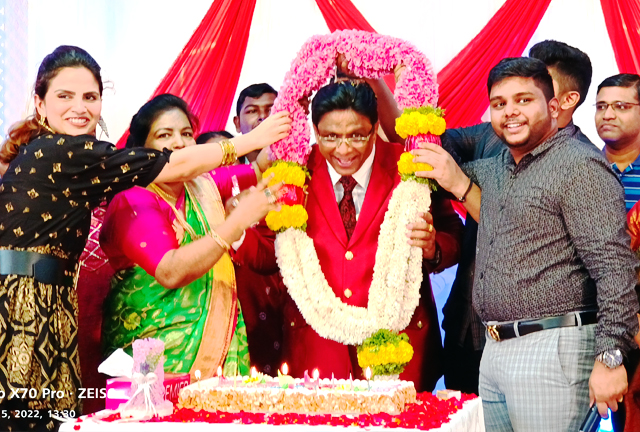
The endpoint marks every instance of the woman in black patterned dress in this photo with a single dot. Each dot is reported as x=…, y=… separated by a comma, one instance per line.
x=58, y=172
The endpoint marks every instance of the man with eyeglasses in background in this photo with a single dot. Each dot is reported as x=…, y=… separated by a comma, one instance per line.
x=353, y=174
x=618, y=124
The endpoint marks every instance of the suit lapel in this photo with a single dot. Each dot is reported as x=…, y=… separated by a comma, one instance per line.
x=321, y=189
x=380, y=185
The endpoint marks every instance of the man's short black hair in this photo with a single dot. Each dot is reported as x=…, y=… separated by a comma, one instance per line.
x=345, y=95
x=206, y=136
x=573, y=66
x=522, y=67
x=253, y=91
x=622, y=80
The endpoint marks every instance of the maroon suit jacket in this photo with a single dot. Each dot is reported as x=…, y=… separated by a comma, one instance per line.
x=303, y=348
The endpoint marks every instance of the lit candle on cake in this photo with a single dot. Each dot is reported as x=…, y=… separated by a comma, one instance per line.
x=220, y=377
x=367, y=374
x=316, y=378
x=283, y=379
x=198, y=375
x=254, y=373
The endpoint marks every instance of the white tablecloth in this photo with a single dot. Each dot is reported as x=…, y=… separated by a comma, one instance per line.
x=469, y=419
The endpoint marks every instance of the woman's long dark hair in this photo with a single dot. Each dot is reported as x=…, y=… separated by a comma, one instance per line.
x=62, y=57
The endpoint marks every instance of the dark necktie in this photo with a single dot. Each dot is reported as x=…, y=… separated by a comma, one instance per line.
x=347, y=206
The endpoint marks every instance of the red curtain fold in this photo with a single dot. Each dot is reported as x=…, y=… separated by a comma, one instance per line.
x=463, y=82
x=622, y=18
x=207, y=71
x=342, y=15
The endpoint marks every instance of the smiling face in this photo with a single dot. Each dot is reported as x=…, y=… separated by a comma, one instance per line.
x=520, y=114
x=171, y=130
x=345, y=158
x=72, y=104
x=618, y=128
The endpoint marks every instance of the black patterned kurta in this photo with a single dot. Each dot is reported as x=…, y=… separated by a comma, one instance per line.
x=46, y=198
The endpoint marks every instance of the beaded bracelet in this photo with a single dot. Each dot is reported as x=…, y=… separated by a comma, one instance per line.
x=221, y=242
x=229, y=154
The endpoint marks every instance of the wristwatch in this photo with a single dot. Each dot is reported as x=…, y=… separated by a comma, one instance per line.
x=610, y=358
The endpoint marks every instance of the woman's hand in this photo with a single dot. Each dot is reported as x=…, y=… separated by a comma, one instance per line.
x=274, y=128
x=255, y=204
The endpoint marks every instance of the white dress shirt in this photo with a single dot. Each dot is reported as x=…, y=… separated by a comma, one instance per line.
x=362, y=177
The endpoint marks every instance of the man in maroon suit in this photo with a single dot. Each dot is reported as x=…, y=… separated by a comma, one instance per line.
x=353, y=177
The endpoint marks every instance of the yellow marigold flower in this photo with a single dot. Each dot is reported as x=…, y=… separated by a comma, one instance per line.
x=289, y=216
x=439, y=126
x=273, y=221
x=386, y=354
x=416, y=123
x=407, y=166
x=426, y=122
x=293, y=175
x=406, y=352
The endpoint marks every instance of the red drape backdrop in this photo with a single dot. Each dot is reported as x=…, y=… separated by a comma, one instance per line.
x=207, y=71
x=463, y=82
x=622, y=18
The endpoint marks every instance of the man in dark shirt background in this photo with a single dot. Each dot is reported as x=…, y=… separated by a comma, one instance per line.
x=464, y=339
x=555, y=277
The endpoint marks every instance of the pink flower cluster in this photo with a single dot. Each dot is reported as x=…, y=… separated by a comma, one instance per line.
x=370, y=55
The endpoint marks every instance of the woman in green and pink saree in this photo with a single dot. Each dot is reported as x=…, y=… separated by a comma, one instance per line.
x=170, y=246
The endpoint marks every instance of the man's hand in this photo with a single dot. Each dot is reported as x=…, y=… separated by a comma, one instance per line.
x=445, y=170
x=263, y=160
x=607, y=387
x=397, y=72
x=423, y=235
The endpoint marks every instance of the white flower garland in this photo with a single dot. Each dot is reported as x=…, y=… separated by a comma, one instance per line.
x=397, y=275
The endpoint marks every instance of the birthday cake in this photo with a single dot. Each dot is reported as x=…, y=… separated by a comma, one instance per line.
x=325, y=396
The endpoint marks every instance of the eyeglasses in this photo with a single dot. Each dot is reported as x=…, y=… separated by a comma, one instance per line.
x=354, y=141
x=617, y=106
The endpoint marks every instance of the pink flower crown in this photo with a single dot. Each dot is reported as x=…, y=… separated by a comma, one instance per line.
x=370, y=55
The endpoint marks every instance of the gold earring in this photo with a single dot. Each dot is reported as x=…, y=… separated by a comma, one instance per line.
x=42, y=121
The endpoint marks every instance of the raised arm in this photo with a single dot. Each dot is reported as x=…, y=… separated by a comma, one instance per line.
x=185, y=264
x=192, y=161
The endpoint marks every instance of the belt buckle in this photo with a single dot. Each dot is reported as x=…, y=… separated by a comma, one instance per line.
x=493, y=332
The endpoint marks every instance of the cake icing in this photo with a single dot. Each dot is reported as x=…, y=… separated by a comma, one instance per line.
x=325, y=396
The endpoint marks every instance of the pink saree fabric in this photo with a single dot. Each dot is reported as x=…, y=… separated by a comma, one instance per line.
x=144, y=222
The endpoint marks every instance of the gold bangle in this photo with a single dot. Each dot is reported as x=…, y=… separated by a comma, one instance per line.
x=223, y=148
x=221, y=242
x=229, y=154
